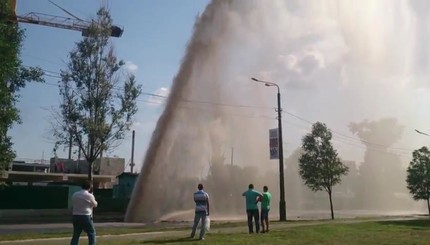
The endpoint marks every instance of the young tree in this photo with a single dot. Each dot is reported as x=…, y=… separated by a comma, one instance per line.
x=418, y=175
x=319, y=164
x=98, y=103
x=13, y=77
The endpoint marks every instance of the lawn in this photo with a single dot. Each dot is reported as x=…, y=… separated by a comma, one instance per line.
x=387, y=232
x=348, y=232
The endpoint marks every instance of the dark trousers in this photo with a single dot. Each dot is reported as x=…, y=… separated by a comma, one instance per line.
x=253, y=213
x=83, y=223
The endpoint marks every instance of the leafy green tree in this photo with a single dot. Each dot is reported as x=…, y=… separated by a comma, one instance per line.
x=13, y=77
x=418, y=175
x=98, y=104
x=319, y=164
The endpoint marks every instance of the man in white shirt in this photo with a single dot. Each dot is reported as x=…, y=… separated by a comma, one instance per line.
x=83, y=203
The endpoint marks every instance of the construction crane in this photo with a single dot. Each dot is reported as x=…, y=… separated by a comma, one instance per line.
x=74, y=23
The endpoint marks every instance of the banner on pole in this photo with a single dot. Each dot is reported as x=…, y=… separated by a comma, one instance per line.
x=274, y=143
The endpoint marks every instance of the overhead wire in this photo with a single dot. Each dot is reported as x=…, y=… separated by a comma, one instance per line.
x=340, y=137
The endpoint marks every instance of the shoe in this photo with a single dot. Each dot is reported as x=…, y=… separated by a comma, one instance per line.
x=262, y=231
x=202, y=238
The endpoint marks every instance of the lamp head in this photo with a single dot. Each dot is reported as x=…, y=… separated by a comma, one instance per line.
x=255, y=79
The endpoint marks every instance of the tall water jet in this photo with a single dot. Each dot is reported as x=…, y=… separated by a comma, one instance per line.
x=335, y=61
x=195, y=123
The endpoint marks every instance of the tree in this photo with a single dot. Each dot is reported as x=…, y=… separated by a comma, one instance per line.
x=320, y=166
x=13, y=77
x=98, y=104
x=418, y=175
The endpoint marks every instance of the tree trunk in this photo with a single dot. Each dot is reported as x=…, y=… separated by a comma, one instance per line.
x=428, y=206
x=331, y=205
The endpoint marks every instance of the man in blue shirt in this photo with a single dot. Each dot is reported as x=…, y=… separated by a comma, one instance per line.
x=251, y=197
x=201, y=198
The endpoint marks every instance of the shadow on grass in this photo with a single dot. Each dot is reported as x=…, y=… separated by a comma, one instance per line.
x=417, y=223
x=177, y=240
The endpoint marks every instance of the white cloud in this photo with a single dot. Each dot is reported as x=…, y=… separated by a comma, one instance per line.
x=159, y=97
x=136, y=124
x=131, y=67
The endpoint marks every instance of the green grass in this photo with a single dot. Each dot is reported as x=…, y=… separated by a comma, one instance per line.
x=387, y=232
x=68, y=233
x=333, y=233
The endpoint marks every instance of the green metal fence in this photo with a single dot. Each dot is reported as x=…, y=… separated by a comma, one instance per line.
x=34, y=197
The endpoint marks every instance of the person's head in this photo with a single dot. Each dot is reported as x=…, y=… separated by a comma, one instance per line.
x=251, y=186
x=86, y=185
x=200, y=186
x=265, y=189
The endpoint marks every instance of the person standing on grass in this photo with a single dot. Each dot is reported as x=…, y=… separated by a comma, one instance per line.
x=201, y=198
x=251, y=198
x=265, y=207
x=83, y=203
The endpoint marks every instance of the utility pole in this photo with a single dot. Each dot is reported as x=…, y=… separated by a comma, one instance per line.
x=70, y=146
x=132, y=152
x=282, y=203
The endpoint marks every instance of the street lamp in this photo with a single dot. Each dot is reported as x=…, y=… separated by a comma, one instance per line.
x=282, y=206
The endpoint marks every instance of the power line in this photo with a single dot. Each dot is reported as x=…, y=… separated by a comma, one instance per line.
x=358, y=144
x=350, y=137
x=337, y=134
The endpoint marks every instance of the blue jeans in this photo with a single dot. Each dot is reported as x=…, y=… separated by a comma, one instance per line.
x=253, y=214
x=197, y=217
x=83, y=223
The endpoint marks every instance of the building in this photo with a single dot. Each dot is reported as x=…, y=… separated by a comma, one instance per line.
x=23, y=166
x=63, y=170
x=101, y=166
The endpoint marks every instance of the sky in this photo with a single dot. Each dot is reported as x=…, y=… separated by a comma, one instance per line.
x=155, y=35
x=334, y=61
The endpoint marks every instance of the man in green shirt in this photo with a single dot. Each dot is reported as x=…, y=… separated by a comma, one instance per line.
x=251, y=196
x=265, y=207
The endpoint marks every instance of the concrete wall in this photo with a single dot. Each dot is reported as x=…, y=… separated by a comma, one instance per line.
x=109, y=166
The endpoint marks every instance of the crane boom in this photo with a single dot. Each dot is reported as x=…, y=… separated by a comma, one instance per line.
x=52, y=20
x=63, y=22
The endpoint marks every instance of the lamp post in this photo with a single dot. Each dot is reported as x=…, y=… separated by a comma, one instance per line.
x=282, y=206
